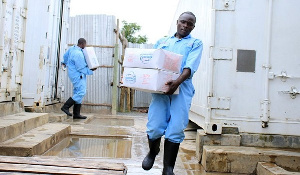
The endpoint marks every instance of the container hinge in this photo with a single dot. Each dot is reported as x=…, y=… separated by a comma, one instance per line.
x=23, y=13
x=266, y=66
x=224, y=5
x=219, y=103
x=18, y=79
x=293, y=92
x=283, y=76
x=222, y=53
x=21, y=46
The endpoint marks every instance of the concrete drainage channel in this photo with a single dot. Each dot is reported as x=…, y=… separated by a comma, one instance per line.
x=92, y=147
x=27, y=136
x=97, y=137
x=121, y=139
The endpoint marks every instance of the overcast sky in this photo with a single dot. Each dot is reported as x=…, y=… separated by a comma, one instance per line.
x=154, y=16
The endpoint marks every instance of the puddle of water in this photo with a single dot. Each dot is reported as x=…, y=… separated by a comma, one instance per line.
x=112, y=122
x=92, y=147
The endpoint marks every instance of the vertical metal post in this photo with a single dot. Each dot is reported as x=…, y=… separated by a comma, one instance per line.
x=211, y=67
x=2, y=8
x=265, y=117
x=115, y=74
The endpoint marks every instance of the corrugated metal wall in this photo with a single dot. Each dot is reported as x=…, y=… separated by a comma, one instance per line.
x=97, y=30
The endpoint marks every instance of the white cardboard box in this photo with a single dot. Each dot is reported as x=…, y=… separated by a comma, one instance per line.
x=149, y=80
x=90, y=57
x=153, y=59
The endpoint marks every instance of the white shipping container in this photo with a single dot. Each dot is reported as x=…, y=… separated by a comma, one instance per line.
x=152, y=58
x=148, y=80
x=45, y=42
x=249, y=73
x=12, y=29
x=90, y=57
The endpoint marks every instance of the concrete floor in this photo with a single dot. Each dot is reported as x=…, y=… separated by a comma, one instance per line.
x=122, y=139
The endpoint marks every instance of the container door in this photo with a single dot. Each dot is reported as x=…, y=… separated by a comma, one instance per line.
x=54, y=40
x=42, y=50
x=12, y=27
x=64, y=29
x=284, y=84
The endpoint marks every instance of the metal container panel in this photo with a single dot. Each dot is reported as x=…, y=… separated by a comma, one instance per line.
x=263, y=91
x=12, y=29
x=44, y=40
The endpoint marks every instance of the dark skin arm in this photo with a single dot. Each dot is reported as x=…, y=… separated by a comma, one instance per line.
x=173, y=85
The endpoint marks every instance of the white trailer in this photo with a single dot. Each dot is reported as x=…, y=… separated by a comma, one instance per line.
x=249, y=76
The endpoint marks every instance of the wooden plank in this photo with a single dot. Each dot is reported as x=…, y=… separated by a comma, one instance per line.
x=122, y=99
x=100, y=46
x=123, y=90
x=26, y=168
x=106, y=66
x=132, y=98
x=64, y=162
x=128, y=98
x=97, y=104
x=115, y=75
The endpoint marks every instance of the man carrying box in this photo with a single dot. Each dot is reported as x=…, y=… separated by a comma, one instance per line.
x=77, y=70
x=168, y=113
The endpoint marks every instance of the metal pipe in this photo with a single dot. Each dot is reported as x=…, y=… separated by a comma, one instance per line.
x=265, y=104
x=2, y=10
x=211, y=63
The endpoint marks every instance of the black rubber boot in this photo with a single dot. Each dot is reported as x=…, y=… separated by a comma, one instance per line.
x=170, y=155
x=65, y=108
x=76, y=112
x=154, y=146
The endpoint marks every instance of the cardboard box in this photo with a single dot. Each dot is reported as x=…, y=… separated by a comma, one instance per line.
x=90, y=57
x=152, y=59
x=149, y=80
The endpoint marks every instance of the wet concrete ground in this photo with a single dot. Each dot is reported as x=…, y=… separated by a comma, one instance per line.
x=123, y=139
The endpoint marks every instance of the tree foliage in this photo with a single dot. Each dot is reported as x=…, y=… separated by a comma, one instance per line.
x=130, y=30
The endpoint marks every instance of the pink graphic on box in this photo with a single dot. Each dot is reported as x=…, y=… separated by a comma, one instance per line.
x=130, y=57
x=173, y=62
x=146, y=79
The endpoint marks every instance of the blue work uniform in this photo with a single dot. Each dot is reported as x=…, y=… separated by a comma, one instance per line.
x=77, y=71
x=168, y=114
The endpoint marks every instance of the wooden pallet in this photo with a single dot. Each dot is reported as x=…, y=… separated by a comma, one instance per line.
x=54, y=165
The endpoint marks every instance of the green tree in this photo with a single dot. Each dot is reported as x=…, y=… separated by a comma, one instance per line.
x=130, y=30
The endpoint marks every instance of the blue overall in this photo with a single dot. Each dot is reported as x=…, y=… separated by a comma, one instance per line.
x=77, y=71
x=168, y=114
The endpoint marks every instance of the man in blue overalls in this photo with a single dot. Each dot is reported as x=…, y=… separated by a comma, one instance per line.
x=168, y=113
x=77, y=72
